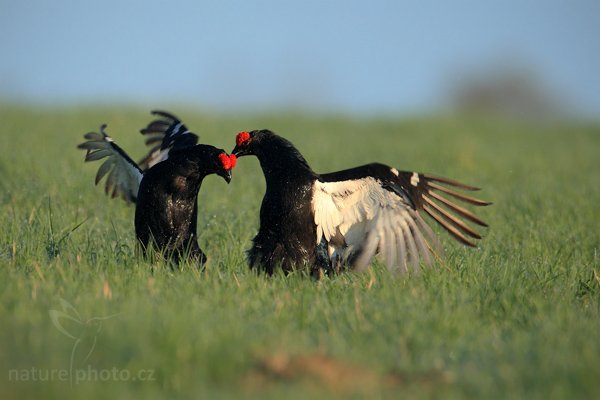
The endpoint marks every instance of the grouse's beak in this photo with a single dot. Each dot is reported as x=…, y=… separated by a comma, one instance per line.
x=225, y=175
x=240, y=151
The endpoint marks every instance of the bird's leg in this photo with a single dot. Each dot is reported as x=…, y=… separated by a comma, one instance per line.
x=322, y=262
x=197, y=255
x=201, y=259
x=336, y=263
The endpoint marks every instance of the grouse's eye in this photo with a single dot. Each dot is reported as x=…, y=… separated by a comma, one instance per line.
x=241, y=138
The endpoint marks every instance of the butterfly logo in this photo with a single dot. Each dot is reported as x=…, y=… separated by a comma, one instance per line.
x=84, y=332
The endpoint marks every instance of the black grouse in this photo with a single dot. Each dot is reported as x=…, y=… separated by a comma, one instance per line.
x=342, y=219
x=164, y=185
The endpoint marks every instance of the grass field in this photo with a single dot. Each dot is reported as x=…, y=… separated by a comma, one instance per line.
x=518, y=317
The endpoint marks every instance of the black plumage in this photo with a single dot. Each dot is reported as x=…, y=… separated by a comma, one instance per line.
x=342, y=219
x=164, y=185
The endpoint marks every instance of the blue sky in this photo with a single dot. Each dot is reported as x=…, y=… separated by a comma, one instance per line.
x=350, y=56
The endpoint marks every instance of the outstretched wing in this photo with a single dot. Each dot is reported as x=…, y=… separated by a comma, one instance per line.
x=123, y=176
x=429, y=193
x=165, y=134
x=376, y=209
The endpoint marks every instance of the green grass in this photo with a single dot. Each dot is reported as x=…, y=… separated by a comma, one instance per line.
x=517, y=317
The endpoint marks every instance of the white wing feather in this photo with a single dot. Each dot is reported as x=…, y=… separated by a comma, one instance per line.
x=372, y=220
x=165, y=134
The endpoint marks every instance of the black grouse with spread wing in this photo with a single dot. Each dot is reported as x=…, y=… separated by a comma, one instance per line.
x=164, y=185
x=328, y=221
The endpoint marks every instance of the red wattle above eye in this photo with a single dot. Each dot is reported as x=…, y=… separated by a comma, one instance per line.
x=241, y=138
x=225, y=161
x=228, y=162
